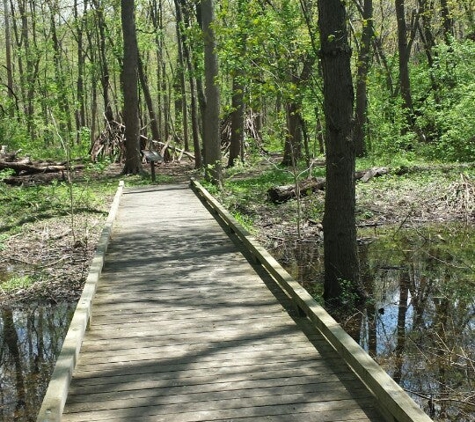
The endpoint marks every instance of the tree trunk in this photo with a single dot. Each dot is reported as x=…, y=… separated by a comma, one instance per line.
x=340, y=248
x=8, y=56
x=404, y=52
x=195, y=127
x=80, y=111
x=103, y=62
x=361, y=81
x=448, y=21
x=133, y=163
x=181, y=103
x=211, y=123
x=65, y=123
x=293, y=138
x=237, y=120
x=148, y=100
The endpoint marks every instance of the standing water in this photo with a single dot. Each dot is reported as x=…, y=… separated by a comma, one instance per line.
x=30, y=341
x=419, y=323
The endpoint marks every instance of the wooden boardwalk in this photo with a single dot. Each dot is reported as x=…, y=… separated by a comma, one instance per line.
x=185, y=328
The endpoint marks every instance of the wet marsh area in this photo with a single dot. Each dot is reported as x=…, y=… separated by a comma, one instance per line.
x=416, y=243
x=419, y=323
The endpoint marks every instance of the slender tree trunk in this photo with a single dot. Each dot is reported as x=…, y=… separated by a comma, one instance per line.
x=65, y=123
x=184, y=19
x=448, y=21
x=8, y=56
x=361, y=80
x=148, y=100
x=237, y=120
x=80, y=112
x=181, y=105
x=133, y=163
x=293, y=138
x=103, y=62
x=211, y=124
x=404, y=52
x=340, y=248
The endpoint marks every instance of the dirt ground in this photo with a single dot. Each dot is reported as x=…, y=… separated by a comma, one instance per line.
x=57, y=252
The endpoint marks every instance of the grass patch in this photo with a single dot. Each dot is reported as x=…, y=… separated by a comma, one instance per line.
x=17, y=282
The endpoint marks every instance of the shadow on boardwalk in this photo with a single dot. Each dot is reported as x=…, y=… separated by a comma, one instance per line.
x=185, y=328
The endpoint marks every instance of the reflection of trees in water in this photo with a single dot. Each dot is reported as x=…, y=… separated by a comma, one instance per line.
x=427, y=320
x=420, y=320
x=30, y=340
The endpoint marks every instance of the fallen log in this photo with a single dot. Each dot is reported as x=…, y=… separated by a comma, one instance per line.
x=280, y=194
x=367, y=175
x=20, y=167
x=28, y=180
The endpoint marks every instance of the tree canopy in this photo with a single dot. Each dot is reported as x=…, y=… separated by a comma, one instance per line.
x=411, y=61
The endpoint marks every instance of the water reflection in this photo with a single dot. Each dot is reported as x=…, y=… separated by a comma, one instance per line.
x=30, y=340
x=420, y=322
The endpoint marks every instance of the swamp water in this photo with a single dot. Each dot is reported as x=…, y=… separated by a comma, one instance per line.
x=419, y=324
x=30, y=341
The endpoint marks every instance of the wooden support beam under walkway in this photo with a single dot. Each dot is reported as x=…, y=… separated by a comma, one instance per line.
x=186, y=328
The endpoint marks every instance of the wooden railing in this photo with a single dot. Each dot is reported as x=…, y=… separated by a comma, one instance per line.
x=55, y=398
x=393, y=401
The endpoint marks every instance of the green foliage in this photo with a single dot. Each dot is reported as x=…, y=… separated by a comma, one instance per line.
x=17, y=282
x=445, y=110
x=24, y=204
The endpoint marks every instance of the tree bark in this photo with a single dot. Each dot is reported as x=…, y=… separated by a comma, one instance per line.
x=404, y=53
x=133, y=163
x=103, y=62
x=211, y=123
x=237, y=120
x=339, y=224
x=448, y=21
x=8, y=55
x=361, y=81
x=80, y=111
x=148, y=100
x=184, y=19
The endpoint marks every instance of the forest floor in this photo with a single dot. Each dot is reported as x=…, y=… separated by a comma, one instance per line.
x=56, y=252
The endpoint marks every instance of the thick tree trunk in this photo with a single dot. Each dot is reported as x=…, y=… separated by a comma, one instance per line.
x=133, y=163
x=340, y=248
x=211, y=123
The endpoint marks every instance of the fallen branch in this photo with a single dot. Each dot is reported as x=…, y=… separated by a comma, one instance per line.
x=174, y=149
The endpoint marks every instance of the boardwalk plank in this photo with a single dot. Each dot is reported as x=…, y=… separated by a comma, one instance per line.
x=185, y=329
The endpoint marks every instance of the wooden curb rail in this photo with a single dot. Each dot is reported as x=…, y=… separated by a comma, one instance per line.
x=57, y=392
x=394, y=402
